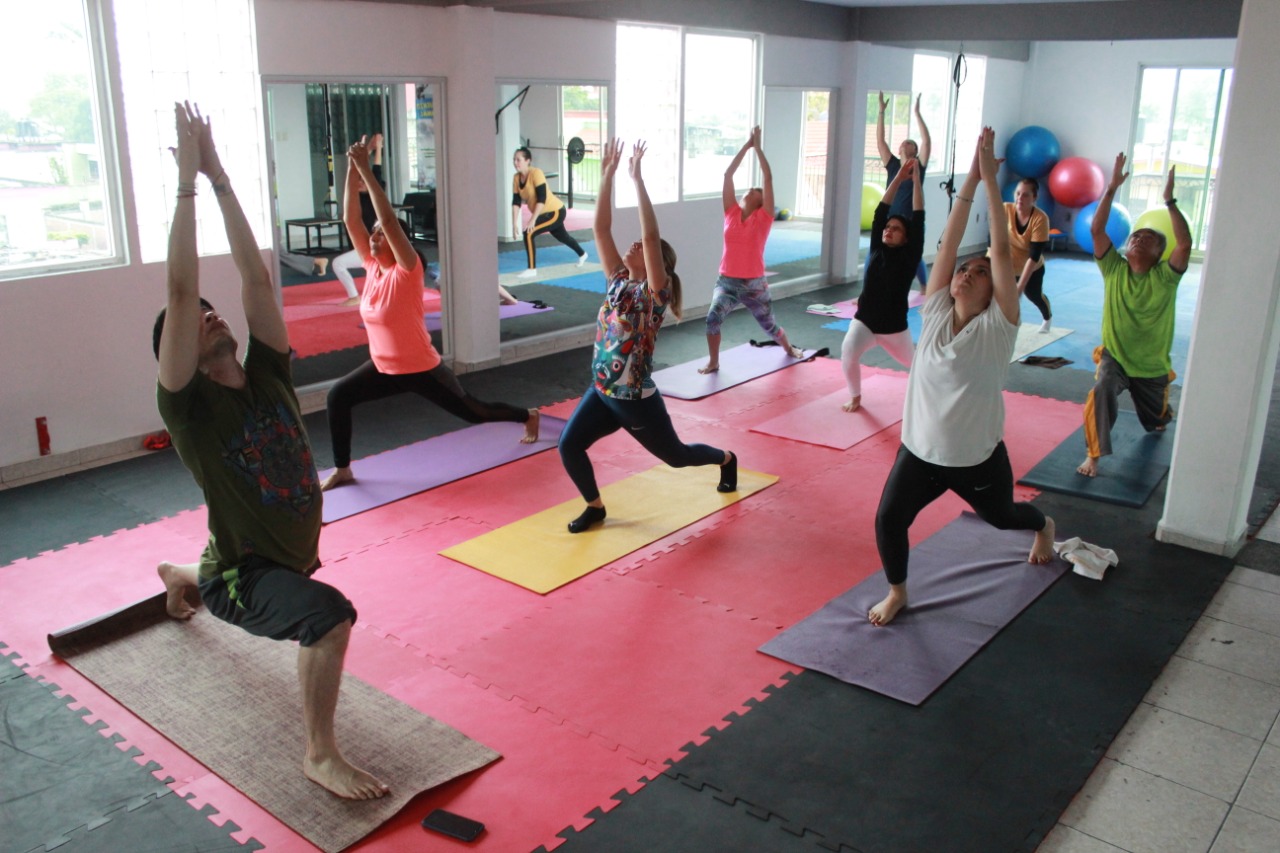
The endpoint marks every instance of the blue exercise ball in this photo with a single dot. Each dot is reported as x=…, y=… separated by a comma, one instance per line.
x=1044, y=201
x=1118, y=225
x=1032, y=151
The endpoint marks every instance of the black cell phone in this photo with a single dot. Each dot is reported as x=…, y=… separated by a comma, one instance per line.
x=453, y=825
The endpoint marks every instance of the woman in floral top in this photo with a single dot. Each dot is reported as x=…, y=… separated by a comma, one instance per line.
x=642, y=286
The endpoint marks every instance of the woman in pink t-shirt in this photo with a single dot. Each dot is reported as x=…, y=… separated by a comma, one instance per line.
x=402, y=359
x=746, y=228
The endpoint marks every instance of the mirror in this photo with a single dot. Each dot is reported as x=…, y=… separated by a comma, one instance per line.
x=563, y=126
x=310, y=125
x=797, y=138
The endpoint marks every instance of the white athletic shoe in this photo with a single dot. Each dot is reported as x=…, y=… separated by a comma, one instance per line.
x=1045, y=326
x=582, y=259
x=530, y=273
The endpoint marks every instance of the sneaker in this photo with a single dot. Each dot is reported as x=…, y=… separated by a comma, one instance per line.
x=582, y=259
x=1045, y=326
x=529, y=273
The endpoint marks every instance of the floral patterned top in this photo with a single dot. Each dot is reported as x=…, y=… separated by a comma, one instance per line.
x=626, y=331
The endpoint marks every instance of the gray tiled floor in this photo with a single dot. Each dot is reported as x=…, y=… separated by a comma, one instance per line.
x=1197, y=767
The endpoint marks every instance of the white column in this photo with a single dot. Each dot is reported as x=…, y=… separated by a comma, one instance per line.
x=1234, y=342
x=472, y=272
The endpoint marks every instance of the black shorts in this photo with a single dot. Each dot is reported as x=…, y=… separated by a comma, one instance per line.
x=277, y=602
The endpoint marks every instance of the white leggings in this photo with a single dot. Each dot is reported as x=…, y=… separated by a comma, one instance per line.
x=859, y=339
x=341, y=267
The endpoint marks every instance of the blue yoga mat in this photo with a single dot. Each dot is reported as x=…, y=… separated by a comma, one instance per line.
x=791, y=244
x=548, y=255
x=966, y=582
x=1138, y=462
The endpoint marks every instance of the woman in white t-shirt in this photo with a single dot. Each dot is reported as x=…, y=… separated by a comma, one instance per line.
x=953, y=419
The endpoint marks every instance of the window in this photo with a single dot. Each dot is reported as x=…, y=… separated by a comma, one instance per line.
x=675, y=93
x=177, y=51
x=943, y=105
x=584, y=114
x=56, y=209
x=1181, y=113
x=719, y=107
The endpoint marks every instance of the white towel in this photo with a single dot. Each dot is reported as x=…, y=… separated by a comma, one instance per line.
x=1092, y=561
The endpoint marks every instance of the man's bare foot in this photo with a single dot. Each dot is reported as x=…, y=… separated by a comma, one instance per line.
x=882, y=614
x=531, y=427
x=319, y=266
x=1089, y=467
x=176, y=585
x=337, y=478
x=1042, y=548
x=711, y=367
x=853, y=405
x=341, y=778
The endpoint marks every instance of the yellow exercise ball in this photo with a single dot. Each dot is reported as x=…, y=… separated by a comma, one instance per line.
x=871, y=195
x=1157, y=219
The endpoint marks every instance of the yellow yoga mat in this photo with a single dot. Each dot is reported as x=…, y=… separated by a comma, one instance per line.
x=540, y=554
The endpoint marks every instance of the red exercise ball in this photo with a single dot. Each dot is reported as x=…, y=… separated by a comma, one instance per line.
x=1076, y=181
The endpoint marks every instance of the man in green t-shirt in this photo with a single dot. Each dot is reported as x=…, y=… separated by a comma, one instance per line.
x=1139, y=303
x=238, y=429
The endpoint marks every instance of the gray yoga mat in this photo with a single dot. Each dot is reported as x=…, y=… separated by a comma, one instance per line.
x=1138, y=462
x=232, y=702
x=966, y=582
x=737, y=365
x=395, y=474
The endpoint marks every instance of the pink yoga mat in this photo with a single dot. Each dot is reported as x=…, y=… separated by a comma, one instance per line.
x=414, y=468
x=823, y=422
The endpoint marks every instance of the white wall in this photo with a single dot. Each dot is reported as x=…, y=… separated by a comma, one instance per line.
x=783, y=132
x=292, y=151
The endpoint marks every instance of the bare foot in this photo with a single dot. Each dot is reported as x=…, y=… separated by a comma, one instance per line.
x=1042, y=549
x=531, y=427
x=882, y=614
x=796, y=352
x=176, y=584
x=337, y=478
x=853, y=405
x=1089, y=467
x=711, y=367
x=352, y=300
x=319, y=266
x=341, y=778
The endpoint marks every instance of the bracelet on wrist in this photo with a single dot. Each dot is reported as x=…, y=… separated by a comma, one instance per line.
x=1170, y=202
x=186, y=194
x=964, y=198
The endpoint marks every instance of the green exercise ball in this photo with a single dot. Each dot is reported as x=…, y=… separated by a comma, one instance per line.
x=871, y=195
x=1157, y=219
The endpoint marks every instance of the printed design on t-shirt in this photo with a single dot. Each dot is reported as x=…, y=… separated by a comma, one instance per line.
x=275, y=456
x=625, y=336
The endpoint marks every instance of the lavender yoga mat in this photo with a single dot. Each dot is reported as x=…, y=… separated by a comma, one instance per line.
x=505, y=312
x=967, y=581
x=737, y=365
x=396, y=474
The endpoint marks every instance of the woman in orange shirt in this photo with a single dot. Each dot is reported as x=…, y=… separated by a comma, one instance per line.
x=402, y=358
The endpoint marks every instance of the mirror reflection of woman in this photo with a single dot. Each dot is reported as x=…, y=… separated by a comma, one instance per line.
x=642, y=287
x=1028, y=239
x=402, y=359
x=547, y=213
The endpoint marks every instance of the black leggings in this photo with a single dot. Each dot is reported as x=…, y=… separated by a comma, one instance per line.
x=1035, y=292
x=438, y=385
x=913, y=484
x=553, y=224
x=648, y=422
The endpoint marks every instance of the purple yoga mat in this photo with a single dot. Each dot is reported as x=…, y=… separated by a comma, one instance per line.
x=395, y=474
x=505, y=312
x=737, y=365
x=966, y=582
